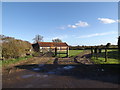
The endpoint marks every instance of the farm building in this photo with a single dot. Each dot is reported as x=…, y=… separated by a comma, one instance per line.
x=56, y=47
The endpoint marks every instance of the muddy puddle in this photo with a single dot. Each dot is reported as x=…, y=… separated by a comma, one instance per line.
x=27, y=76
x=68, y=67
x=58, y=70
x=41, y=65
x=54, y=71
x=36, y=69
x=34, y=75
x=61, y=76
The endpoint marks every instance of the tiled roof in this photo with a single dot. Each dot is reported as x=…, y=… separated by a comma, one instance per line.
x=52, y=44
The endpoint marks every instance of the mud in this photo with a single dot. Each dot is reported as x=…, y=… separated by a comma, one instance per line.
x=50, y=72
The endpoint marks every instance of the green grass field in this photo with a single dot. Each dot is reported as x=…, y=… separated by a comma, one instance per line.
x=112, y=58
x=71, y=53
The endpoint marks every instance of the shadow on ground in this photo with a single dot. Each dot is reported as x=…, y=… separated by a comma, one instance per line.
x=105, y=73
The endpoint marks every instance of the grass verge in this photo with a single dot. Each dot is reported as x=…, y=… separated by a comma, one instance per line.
x=112, y=57
x=13, y=61
x=102, y=61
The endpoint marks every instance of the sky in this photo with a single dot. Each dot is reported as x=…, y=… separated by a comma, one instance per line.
x=77, y=23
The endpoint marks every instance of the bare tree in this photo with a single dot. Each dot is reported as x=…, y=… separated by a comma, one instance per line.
x=38, y=38
x=57, y=40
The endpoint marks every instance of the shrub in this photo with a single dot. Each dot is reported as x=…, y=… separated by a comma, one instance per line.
x=14, y=48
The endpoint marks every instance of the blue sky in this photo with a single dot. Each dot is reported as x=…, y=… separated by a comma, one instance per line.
x=83, y=23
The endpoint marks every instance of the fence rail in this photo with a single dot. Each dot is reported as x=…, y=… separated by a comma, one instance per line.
x=96, y=51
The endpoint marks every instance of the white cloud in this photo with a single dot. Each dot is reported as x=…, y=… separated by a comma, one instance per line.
x=79, y=24
x=106, y=20
x=72, y=26
x=97, y=34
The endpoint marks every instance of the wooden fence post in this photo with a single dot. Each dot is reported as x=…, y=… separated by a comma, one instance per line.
x=106, y=54
x=55, y=51
x=96, y=53
x=100, y=50
x=91, y=51
x=50, y=49
x=59, y=51
x=67, y=51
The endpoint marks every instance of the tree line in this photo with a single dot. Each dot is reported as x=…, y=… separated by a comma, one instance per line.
x=39, y=38
x=14, y=48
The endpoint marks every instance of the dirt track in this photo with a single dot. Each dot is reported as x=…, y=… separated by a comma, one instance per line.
x=49, y=72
